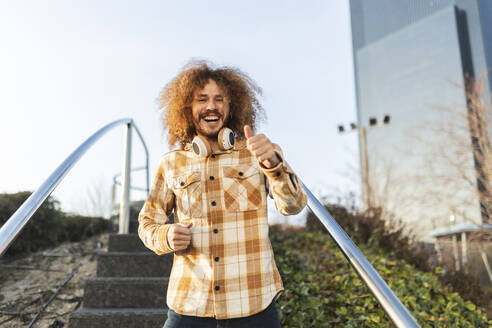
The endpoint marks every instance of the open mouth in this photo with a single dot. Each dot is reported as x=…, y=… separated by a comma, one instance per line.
x=211, y=118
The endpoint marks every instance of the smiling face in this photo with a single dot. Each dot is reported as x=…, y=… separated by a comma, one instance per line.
x=210, y=110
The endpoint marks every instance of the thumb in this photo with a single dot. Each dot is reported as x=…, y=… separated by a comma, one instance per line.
x=248, y=133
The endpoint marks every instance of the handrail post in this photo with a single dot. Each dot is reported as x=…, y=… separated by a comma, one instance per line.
x=147, y=175
x=126, y=174
x=146, y=157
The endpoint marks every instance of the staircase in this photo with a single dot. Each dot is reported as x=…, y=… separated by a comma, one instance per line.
x=129, y=290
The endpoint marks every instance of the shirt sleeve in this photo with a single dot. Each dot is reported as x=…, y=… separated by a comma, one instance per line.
x=153, y=220
x=284, y=187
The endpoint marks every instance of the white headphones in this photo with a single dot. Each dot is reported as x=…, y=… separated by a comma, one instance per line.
x=225, y=139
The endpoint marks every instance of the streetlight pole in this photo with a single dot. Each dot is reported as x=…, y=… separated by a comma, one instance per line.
x=366, y=186
x=364, y=160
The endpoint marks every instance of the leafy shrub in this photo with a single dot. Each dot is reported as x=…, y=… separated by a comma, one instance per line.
x=49, y=226
x=79, y=227
x=40, y=232
x=369, y=228
x=322, y=290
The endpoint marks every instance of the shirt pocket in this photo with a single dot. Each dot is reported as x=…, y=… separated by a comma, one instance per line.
x=188, y=190
x=241, y=185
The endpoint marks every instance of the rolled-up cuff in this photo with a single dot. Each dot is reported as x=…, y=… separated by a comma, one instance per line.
x=275, y=173
x=162, y=238
x=282, y=173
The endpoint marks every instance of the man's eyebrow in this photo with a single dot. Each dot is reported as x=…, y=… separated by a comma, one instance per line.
x=206, y=95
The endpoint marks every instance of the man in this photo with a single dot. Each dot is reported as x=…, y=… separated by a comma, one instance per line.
x=224, y=272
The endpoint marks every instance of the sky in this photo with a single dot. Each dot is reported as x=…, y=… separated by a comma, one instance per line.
x=70, y=67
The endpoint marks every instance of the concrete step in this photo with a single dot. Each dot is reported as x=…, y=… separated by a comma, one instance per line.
x=134, y=264
x=126, y=243
x=116, y=318
x=125, y=292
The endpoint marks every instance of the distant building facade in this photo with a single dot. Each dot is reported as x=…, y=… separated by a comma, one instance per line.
x=409, y=57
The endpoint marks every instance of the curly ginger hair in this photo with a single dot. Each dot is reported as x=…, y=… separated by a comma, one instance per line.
x=176, y=98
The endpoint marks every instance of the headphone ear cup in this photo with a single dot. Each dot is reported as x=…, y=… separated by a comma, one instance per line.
x=226, y=139
x=200, y=146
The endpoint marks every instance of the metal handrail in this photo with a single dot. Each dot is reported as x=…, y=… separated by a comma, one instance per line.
x=11, y=229
x=146, y=156
x=397, y=312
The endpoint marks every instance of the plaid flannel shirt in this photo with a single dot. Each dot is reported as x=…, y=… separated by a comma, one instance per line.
x=228, y=270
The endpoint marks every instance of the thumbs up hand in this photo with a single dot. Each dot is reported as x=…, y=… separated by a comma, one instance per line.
x=261, y=147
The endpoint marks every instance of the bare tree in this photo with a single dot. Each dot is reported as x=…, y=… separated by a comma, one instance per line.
x=98, y=200
x=457, y=156
x=390, y=194
x=479, y=116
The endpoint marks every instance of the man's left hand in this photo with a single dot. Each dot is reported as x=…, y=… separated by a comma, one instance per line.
x=261, y=147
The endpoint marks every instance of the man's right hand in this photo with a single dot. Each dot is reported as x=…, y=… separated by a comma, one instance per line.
x=179, y=235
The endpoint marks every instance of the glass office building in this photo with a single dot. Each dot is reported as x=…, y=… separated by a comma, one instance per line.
x=410, y=57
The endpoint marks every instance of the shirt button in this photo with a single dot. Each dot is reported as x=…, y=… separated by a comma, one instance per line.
x=216, y=230
x=214, y=203
x=216, y=259
x=217, y=287
x=212, y=177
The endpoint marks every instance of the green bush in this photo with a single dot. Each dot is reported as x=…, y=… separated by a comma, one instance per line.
x=79, y=227
x=370, y=229
x=322, y=290
x=49, y=226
